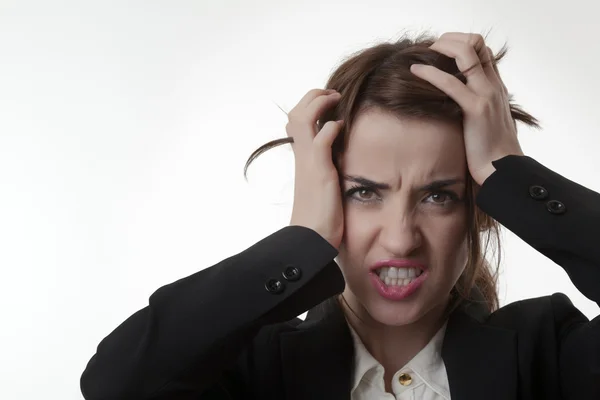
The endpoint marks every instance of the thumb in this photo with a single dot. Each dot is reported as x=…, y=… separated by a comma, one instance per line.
x=326, y=136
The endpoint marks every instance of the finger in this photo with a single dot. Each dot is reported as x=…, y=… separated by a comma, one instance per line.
x=465, y=56
x=447, y=83
x=302, y=125
x=325, y=138
x=474, y=40
x=318, y=106
x=491, y=70
x=485, y=54
x=304, y=112
x=311, y=95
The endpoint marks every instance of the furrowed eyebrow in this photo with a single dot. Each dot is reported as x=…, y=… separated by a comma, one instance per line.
x=435, y=185
x=367, y=182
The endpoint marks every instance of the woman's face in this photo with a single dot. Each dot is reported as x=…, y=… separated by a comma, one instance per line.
x=392, y=219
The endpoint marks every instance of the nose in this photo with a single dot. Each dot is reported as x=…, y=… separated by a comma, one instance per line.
x=399, y=235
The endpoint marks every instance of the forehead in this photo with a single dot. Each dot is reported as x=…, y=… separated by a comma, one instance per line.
x=383, y=146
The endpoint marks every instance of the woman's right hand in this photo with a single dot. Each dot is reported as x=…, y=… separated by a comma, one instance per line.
x=317, y=197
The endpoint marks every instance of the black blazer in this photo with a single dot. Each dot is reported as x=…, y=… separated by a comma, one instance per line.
x=230, y=332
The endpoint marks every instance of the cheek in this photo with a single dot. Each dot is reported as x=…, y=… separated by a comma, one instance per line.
x=357, y=239
x=358, y=228
x=452, y=247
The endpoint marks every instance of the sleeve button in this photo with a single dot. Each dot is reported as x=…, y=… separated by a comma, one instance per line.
x=556, y=207
x=292, y=273
x=538, y=192
x=274, y=286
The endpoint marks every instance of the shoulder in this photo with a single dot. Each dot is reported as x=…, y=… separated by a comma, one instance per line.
x=556, y=310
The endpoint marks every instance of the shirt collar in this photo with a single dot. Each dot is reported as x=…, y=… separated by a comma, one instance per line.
x=428, y=364
x=364, y=363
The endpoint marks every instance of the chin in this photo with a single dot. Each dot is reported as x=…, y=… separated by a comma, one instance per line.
x=396, y=313
x=421, y=305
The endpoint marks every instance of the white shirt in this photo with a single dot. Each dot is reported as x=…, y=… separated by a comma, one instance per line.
x=424, y=376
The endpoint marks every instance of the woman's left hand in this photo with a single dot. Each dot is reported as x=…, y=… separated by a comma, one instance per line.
x=488, y=127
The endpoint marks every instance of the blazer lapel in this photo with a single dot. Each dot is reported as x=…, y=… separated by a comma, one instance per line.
x=317, y=358
x=480, y=359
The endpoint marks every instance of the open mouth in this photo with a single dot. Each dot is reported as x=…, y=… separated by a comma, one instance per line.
x=399, y=277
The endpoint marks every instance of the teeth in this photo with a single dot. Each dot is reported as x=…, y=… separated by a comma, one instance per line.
x=398, y=276
x=382, y=273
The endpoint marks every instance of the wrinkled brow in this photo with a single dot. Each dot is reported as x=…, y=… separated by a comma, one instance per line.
x=431, y=186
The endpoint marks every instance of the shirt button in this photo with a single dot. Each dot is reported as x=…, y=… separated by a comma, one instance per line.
x=405, y=379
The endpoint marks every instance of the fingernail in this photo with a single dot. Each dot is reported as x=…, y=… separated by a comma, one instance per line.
x=330, y=91
x=417, y=67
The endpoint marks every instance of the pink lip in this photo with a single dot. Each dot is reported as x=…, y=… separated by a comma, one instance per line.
x=397, y=292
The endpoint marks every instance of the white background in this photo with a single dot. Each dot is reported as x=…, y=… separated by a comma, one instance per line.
x=125, y=125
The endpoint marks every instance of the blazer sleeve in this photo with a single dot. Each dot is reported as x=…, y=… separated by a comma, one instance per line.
x=195, y=328
x=560, y=219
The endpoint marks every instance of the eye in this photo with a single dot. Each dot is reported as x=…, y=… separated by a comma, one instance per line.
x=443, y=198
x=362, y=194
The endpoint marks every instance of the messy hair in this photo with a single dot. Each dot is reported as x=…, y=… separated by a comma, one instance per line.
x=379, y=77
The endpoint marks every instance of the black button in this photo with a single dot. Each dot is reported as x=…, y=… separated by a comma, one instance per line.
x=556, y=207
x=538, y=192
x=292, y=274
x=274, y=286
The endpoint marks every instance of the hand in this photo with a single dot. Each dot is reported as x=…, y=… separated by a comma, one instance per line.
x=317, y=193
x=488, y=127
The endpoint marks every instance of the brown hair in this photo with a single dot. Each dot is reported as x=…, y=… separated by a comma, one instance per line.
x=379, y=77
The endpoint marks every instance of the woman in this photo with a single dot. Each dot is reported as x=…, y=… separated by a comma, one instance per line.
x=424, y=165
